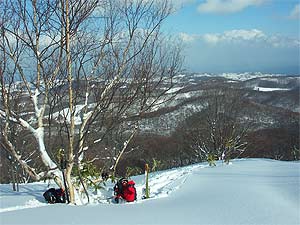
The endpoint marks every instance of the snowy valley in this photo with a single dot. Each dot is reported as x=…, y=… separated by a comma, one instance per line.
x=267, y=105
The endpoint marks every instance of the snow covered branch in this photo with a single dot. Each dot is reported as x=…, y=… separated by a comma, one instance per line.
x=124, y=148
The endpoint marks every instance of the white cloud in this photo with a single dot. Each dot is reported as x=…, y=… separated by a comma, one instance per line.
x=227, y=6
x=235, y=36
x=248, y=37
x=187, y=37
x=245, y=35
x=278, y=41
x=295, y=13
x=211, y=38
x=227, y=36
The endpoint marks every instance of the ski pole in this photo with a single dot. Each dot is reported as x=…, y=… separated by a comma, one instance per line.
x=147, y=181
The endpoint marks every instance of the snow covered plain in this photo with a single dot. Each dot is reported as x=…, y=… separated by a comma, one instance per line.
x=248, y=191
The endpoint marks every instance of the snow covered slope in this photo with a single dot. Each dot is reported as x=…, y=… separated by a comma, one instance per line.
x=251, y=191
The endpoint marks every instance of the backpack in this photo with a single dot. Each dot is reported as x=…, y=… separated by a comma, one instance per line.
x=118, y=188
x=55, y=196
x=135, y=195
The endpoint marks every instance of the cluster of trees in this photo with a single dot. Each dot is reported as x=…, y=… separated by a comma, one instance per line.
x=93, y=64
x=219, y=129
x=228, y=126
x=281, y=143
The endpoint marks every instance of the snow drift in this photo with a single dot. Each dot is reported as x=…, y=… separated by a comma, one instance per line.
x=250, y=191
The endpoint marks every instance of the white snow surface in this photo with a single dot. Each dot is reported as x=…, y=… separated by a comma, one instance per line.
x=247, y=191
x=264, y=89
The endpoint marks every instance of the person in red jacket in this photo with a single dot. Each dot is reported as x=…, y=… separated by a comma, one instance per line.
x=125, y=189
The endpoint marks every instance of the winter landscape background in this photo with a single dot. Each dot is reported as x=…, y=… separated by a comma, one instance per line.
x=97, y=89
x=266, y=109
x=247, y=191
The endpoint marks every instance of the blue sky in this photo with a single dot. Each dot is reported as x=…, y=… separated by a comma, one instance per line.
x=238, y=35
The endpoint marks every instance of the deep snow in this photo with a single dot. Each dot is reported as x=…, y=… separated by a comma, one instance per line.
x=249, y=191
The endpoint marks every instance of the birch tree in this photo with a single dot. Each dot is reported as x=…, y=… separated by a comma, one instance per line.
x=83, y=67
x=20, y=40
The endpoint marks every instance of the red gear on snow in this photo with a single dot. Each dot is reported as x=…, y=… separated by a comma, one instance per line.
x=128, y=191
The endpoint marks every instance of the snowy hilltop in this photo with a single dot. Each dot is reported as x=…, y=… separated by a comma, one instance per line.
x=247, y=191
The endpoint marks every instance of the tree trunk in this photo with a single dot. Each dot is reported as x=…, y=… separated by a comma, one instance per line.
x=70, y=156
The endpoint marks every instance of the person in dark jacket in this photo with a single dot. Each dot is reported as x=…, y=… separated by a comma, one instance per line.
x=55, y=196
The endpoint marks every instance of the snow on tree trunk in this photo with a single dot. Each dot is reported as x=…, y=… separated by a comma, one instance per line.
x=70, y=155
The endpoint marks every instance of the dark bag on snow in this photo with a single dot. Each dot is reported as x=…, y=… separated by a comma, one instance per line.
x=118, y=188
x=55, y=196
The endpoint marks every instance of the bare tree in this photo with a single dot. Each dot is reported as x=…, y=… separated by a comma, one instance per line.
x=219, y=129
x=87, y=67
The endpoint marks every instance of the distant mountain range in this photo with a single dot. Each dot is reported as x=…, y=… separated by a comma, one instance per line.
x=267, y=94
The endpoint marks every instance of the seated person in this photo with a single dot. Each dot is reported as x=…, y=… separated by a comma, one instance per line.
x=125, y=190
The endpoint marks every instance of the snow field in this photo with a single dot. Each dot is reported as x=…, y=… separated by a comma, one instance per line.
x=250, y=191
